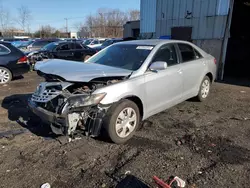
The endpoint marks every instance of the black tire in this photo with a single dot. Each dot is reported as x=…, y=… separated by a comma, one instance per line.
x=9, y=74
x=110, y=119
x=200, y=97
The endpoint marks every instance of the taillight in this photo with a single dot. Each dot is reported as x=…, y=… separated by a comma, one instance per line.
x=23, y=59
x=215, y=61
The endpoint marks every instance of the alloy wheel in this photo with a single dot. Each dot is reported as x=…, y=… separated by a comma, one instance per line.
x=4, y=76
x=205, y=88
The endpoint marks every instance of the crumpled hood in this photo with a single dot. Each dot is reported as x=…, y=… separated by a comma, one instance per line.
x=79, y=71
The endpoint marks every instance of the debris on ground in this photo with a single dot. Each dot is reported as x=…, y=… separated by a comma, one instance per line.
x=131, y=181
x=199, y=127
x=240, y=119
x=46, y=185
x=173, y=182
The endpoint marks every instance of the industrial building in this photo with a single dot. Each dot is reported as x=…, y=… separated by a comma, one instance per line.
x=131, y=29
x=220, y=27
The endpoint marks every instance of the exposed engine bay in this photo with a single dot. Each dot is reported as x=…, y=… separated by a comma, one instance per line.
x=71, y=107
x=35, y=56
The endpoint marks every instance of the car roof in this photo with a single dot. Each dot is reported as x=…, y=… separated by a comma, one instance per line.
x=153, y=42
x=40, y=40
x=4, y=42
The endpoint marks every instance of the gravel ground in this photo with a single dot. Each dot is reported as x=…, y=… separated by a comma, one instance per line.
x=206, y=144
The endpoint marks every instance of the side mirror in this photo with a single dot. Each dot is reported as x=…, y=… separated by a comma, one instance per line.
x=158, y=65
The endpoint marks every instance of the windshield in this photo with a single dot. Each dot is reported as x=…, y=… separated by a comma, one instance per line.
x=25, y=44
x=87, y=42
x=50, y=46
x=107, y=43
x=17, y=43
x=125, y=56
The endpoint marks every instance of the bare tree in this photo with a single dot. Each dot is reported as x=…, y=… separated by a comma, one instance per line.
x=5, y=19
x=24, y=18
x=46, y=31
x=106, y=23
x=78, y=26
x=133, y=15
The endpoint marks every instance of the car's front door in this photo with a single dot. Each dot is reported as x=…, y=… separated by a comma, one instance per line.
x=164, y=87
x=193, y=69
x=79, y=53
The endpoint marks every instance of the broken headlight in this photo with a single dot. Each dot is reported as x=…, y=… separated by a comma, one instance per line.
x=85, y=100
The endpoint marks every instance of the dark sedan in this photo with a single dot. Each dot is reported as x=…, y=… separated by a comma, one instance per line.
x=62, y=50
x=36, y=44
x=112, y=41
x=13, y=62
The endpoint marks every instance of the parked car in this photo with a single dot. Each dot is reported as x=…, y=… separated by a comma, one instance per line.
x=95, y=42
x=121, y=86
x=37, y=44
x=112, y=41
x=24, y=45
x=14, y=39
x=107, y=43
x=62, y=50
x=13, y=62
x=17, y=43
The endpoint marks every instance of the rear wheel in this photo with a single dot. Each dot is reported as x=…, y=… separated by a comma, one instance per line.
x=204, y=89
x=122, y=121
x=5, y=75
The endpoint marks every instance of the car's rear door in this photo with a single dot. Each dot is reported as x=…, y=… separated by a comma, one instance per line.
x=65, y=51
x=79, y=52
x=193, y=66
x=164, y=87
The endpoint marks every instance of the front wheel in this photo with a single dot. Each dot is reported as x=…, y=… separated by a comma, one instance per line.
x=121, y=121
x=204, y=89
x=5, y=75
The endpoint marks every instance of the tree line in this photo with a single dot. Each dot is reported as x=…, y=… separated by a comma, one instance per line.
x=9, y=24
x=104, y=23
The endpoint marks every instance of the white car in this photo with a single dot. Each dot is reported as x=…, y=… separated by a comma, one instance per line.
x=96, y=42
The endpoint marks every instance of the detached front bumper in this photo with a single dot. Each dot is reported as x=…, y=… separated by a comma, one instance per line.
x=66, y=124
x=57, y=123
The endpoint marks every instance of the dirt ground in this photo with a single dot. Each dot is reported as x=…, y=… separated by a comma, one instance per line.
x=206, y=144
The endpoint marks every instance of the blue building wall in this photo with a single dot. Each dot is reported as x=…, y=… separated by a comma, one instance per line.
x=148, y=16
x=207, y=18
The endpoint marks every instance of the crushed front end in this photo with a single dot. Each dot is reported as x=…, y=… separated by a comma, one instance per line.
x=69, y=107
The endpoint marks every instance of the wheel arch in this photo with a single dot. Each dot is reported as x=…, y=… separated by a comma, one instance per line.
x=8, y=69
x=138, y=102
x=210, y=76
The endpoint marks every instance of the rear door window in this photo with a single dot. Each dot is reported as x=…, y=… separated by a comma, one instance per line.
x=4, y=50
x=78, y=46
x=187, y=52
x=64, y=47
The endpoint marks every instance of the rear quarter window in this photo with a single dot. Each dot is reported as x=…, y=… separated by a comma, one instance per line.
x=4, y=50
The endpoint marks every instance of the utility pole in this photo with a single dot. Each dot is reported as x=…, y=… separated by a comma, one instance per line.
x=66, y=19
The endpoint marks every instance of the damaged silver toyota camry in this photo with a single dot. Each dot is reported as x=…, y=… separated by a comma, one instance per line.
x=120, y=86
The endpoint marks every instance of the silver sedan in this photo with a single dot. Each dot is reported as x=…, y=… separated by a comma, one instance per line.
x=121, y=86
